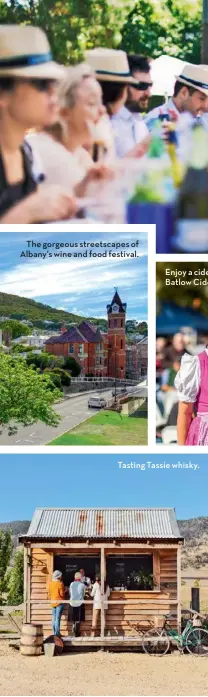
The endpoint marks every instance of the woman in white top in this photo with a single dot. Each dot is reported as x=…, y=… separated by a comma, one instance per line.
x=191, y=383
x=62, y=148
x=96, y=595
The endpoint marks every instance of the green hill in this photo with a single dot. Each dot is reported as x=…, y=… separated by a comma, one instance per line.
x=15, y=307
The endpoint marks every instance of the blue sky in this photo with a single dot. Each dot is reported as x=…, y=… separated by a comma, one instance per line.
x=83, y=286
x=29, y=481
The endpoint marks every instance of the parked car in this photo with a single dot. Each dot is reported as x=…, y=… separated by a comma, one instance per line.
x=118, y=390
x=96, y=402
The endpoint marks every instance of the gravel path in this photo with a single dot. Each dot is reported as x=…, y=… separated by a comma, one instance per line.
x=101, y=673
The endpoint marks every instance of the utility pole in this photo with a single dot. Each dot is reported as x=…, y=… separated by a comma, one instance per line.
x=204, y=44
x=115, y=368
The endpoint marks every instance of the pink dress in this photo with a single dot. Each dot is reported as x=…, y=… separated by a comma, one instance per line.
x=198, y=429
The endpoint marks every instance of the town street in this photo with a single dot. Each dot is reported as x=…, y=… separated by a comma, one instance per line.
x=72, y=412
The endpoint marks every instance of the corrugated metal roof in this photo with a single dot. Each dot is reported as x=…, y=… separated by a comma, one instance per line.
x=104, y=523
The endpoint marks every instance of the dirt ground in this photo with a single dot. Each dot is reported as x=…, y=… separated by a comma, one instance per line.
x=101, y=673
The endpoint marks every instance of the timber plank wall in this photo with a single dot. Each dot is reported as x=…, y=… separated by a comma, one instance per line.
x=120, y=619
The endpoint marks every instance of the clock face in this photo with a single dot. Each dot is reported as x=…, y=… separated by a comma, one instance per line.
x=115, y=308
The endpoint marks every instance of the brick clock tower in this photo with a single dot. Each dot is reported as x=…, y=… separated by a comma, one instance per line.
x=116, y=312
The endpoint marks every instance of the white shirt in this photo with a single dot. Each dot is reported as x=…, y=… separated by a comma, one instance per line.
x=59, y=166
x=86, y=580
x=162, y=109
x=188, y=379
x=96, y=595
x=129, y=129
x=183, y=118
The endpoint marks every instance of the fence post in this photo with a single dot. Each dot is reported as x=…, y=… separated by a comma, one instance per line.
x=102, y=612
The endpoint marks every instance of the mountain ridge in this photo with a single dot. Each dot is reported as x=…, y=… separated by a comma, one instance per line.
x=194, y=531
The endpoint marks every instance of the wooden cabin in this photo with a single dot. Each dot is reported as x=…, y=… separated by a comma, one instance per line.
x=137, y=550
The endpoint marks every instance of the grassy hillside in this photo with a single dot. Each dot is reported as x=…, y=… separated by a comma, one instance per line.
x=16, y=307
x=195, y=532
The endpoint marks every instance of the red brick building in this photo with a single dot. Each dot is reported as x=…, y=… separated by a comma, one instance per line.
x=98, y=353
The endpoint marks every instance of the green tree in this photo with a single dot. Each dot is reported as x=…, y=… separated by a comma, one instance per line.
x=64, y=376
x=44, y=360
x=142, y=328
x=5, y=555
x=73, y=366
x=20, y=348
x=25, y=396
x=164, y=26
x=15, y=327
x=72, y=26
x=15, y=579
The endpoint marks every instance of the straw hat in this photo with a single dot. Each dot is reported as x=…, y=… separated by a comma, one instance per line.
x=25, y=52
x=57, y=575
x=110, y=65
x=195, y=76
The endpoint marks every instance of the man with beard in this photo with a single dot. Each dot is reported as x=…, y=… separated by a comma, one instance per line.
x=138, y=96
x=128, y=122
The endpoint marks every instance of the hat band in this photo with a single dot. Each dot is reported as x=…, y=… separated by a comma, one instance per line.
x=25, y=61
x=110, y=72
x=194, y=82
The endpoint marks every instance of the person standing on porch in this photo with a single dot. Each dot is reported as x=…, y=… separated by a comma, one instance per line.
x=96, y=595
x=76, y=594
x=56, y=594
x=85, y=579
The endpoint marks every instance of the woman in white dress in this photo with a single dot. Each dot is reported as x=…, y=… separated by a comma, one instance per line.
x=62, y=149
x=96, y=595
x=191, y=383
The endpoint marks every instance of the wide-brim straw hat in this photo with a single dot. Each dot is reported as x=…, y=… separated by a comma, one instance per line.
x=25, y=53
x=110, y=65
x=195, y=76
x=57, y=575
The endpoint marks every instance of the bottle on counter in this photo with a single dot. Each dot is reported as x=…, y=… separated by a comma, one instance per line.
x=191, y=214
x=153, y=199
x=177, y=169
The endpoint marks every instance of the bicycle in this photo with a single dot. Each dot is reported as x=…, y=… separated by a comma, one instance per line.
x=194, y=639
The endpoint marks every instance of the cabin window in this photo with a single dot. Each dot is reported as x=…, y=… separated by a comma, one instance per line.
x=130, y=572
x=71, y=348
x=69, y=565
x=81, y=349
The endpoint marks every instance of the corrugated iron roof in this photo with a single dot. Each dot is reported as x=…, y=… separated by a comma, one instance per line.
x=155, y=523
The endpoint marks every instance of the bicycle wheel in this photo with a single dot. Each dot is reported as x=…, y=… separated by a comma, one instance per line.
x=197, y=641
x=155, y=643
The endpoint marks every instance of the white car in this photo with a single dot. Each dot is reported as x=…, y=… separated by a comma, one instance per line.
x=96, y=402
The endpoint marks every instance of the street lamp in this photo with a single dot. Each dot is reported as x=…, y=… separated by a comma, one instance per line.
x=204, y=44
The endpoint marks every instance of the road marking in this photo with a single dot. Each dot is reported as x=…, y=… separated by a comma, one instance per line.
x=32, y=434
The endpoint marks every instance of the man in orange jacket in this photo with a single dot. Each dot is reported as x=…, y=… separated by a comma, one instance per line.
x=56, y=592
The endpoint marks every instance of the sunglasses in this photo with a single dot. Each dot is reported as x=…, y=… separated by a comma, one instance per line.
x=41, y=84
x=143, y=85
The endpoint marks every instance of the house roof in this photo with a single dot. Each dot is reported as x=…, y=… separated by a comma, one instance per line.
x=81, y=333
x=103, y=523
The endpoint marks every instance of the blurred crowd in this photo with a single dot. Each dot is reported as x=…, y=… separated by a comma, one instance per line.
x=67, y=132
